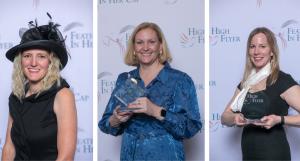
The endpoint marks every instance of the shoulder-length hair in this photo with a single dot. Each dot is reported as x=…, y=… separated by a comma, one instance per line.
x=131, y=59
x=272, y=42
x=19, y=79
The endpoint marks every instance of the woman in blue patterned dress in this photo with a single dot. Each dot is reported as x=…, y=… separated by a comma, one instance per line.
x=155, y=125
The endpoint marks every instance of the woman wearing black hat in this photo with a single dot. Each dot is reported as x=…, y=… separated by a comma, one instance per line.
x=42, y=123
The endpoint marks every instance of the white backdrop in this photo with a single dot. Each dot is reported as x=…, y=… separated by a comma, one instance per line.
x=75, y=19
x=231, y=21
x=182, y=22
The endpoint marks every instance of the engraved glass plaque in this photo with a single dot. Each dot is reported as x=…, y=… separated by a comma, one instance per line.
x=253, y=121
x=128, y=93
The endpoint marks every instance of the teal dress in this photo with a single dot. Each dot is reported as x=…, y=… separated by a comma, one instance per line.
x=146, y=138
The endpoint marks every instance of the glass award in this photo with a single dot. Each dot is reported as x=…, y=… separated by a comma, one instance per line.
x=253, y=121
x=128, y=93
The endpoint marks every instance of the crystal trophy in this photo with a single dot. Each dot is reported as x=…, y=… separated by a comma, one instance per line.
x=128, y=93
x=253, y=121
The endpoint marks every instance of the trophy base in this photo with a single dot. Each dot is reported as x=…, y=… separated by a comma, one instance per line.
x=252, y=121
x=125, y=109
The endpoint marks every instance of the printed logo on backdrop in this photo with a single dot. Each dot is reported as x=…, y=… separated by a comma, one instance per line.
x=84, y=145
x=212, y=83
x=191, y=37
x=215, y=122
x=259, y=3
x=102, y=2
x=289, y=33
x=74, y=38
x=170, y=2
x=105, y=84
x=221, y=35
x=36, y=3
x=5, y=45
x=77, y=39
x=200, y=86
x=81, y=97
x=119, y=39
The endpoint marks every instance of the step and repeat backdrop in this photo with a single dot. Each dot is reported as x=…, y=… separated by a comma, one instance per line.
x=231, y=21
x=182, y=23
x=75, y=18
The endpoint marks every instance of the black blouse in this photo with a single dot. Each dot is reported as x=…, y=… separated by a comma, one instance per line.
x=260, y=143
x=34, y=128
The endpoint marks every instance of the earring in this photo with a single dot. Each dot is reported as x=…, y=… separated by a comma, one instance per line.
x=134, y=53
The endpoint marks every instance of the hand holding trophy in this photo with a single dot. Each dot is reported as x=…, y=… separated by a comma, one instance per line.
x=128, y=93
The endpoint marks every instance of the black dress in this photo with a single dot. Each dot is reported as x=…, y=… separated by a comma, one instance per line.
x=34, y=128
x=259, y=143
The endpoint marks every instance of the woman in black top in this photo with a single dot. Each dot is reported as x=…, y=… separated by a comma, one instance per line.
x=42, y=121
x=261, y=101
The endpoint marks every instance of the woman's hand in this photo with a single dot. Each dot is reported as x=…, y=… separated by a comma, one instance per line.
x=144, y=105
x=239, y=119
x=269, y=121
x=8, y=151
x=229, y=118
x=119, y=117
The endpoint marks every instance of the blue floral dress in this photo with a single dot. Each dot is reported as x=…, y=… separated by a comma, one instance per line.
x=146, y=138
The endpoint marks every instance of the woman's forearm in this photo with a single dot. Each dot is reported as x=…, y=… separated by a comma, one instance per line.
x=8, y=153
x=227, y=118
x=292, y=120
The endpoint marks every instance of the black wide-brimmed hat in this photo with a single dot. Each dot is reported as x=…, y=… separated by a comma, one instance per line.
x=46, y=37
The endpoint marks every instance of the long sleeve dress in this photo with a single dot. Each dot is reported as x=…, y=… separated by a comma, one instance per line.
x=146, y=138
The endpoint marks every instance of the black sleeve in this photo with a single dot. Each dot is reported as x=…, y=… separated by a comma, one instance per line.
x=284, y=82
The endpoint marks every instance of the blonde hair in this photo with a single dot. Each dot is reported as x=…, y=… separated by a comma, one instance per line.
x=19, y=79
x=272, y=42
x=131, y=59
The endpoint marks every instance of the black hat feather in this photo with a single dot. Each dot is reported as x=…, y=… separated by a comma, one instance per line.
x=46, y=37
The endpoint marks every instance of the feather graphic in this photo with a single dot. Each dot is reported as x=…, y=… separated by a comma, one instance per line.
x=214, y=125
x=80, y=129
x=283, y=40
x=259, y=3
x=103, y=74
x=72, y=25
x=35, y=3
x=126, y=28
x=184, y=38
x=288, y=22
x=170, y=1
x=213, y=39
x=186, y=41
